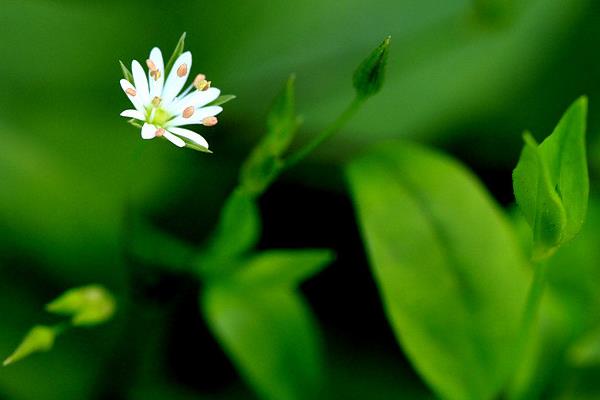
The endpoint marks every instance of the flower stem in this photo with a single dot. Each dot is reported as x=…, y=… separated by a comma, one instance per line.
x=532, y=306
x=327, y=133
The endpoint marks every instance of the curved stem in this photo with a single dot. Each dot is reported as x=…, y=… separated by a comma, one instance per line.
x=327, y=133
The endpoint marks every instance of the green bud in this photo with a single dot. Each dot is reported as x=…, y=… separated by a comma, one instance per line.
x=87, y=305
x=40, y=338
x=369, y=76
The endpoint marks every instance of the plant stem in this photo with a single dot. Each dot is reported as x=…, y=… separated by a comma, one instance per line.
x=328, y=132
x=534, y=299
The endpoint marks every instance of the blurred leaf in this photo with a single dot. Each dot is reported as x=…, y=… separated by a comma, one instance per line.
x=126, y=73
x=494, y=11
x=40, y=338
x=263, y=164
x=281, y=267
x=551, y=182
x=237, y=232
x=176, y=53
x=370, y=74
x=222, y=100
x=450, y=272
x=86, y=305
x=271, y=337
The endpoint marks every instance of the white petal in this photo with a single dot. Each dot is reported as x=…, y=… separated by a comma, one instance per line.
x=174, y=139
x=197, y=99
x=141, y=82
x=156, y=85
x=197, y=118
x=133, y=114
x=149, y=131
x=193, y=136
x=175, y=83
x=135, y=100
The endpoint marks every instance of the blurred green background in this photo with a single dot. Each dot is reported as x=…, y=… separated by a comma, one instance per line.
x=462, y=80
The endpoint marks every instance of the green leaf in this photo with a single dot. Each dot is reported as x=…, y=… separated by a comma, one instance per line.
x=237, y=232
x=40, y=338
x=86, y=305
x=126, y=73
x=270, y=336
x=281, y=267
x=449, y=270
x=494, y=12
x=222, y=100
x=176, y=53
x=264, y=163
x=551, y=182
x=368, y=77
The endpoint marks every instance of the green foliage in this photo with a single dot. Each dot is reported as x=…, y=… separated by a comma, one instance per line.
x=264, y=163
x=450, y=273
x=494, y=11
x=281, y=268
x=222, y=100
x=551, y=182
x=126, y=72
x=86, y=305
x=39, y=338
x=368, y=77
x=176, y=53
x=270, y=336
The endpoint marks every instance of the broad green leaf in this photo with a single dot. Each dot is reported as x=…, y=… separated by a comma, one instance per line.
x=40, y=338
x=176, y=53
x=451, y=275
x=269, y=335
x=222, y=100
x=281, y=267
x=126, y=73
x=369, y=76
x=551, y=182
x=86, y=305
x=237, y=232
x=264, y=163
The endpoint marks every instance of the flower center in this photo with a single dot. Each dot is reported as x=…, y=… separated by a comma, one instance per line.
x=158, y=116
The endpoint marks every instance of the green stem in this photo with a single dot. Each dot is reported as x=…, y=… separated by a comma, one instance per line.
x=534, y=299
x=327, y=133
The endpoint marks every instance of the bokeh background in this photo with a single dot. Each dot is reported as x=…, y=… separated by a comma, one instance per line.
x=459, y=78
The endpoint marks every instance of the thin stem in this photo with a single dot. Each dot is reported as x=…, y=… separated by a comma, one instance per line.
x=325, y=134
x=534, y=299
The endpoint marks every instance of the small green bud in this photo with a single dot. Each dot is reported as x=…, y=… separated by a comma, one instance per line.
x=87, y=305
x=40, y=338
x=369, y=76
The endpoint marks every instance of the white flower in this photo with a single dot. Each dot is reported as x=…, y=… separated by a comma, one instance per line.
x=160, y=107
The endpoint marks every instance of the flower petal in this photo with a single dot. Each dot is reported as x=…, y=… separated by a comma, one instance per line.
x=133, y=114
x=156, y=85
x=149, y=131
x=197, y=118
x=174, y=139
x=197, y=99
x=191, y=135
x=141, y=82
x=135, y=100
x=174, y=82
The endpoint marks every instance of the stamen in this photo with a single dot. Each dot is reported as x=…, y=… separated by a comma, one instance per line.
x=156, y=101
x=182, y=70
x=151, y=65
x=155, y=74
x=210, y=121
x=131, y=92
x=188, y=112
x=159, y=132
x=200, y=82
